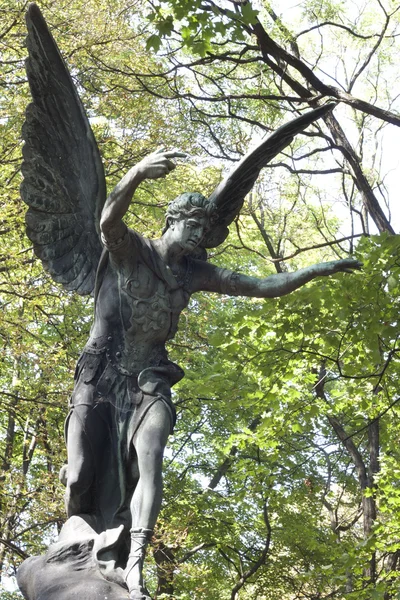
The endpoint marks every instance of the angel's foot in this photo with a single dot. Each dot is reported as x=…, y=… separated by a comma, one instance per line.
x=139, y=593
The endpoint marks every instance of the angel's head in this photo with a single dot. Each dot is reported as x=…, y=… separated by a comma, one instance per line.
x=192, y=208
x=190, y=216
x=189, y=204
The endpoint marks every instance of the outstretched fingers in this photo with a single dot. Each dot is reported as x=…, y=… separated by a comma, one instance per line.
x=165, y=162
x=174, y=153
x=349, y=265
x=159, y=163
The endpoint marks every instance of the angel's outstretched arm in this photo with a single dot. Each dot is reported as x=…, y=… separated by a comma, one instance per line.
x=213, y=279
x=153, y=166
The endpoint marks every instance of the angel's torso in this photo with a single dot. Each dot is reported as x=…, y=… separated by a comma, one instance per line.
x=139, y=302
x=137, y=311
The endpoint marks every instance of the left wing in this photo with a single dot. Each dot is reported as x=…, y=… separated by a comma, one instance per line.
x=64, y=184
x=229, y=195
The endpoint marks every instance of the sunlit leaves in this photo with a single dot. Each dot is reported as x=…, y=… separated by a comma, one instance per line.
x=200, y=24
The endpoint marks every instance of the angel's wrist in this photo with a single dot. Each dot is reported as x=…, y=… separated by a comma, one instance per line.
x=137, y=174
x=324, y=269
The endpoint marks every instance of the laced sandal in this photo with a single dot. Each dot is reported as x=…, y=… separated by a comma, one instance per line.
x=133, y=573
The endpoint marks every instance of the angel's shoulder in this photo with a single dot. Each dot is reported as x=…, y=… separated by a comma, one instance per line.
x=202, y=266
x=136, y=238
x=206, y=276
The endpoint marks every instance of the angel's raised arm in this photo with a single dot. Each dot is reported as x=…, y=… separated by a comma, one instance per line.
x=155, y=165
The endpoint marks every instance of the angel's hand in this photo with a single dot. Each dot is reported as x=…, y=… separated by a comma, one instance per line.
x=346, y=265
x=158, y=164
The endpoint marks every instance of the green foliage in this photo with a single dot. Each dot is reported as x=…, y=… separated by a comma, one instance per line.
x=200, y=28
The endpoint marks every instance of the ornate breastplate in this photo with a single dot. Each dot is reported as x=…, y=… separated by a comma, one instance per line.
x=137, y=312
x=152, y=305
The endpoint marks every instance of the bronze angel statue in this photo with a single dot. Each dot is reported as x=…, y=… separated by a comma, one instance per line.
x=121, y=411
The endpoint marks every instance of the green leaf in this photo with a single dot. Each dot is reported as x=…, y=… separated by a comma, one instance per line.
x=165, y=26
x=297, y=428
x=249, y=14
x=154, y=41
x=217, y=338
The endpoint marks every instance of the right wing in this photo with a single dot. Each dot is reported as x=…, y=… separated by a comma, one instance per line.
x=64, y=184
x=229, y=195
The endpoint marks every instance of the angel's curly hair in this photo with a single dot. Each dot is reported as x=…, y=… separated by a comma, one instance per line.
x=190, y=204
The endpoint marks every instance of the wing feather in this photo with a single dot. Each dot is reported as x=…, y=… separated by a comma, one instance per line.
x=44, y=222
x=46, y=238
x=53, y=252
x=64, y=184
x=63, y=266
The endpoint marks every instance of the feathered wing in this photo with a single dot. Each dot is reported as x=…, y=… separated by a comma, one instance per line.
x=64, y=183
x=229, y=195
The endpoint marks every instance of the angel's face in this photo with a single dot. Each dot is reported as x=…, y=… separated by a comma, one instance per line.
x=189, y=231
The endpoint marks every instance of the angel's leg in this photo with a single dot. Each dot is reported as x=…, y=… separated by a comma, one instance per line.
x=150, y=442
x=85, y=432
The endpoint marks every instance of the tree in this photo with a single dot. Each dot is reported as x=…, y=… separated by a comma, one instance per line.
x=281, y=475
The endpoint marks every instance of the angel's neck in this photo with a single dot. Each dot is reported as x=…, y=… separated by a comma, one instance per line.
x=171, y=253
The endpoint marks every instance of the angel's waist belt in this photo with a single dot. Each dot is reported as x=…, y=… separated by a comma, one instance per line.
x=129, y=397
x=98, y=370
x=128, y=361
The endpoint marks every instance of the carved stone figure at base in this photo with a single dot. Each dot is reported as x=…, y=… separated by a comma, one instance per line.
x=121, y=411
